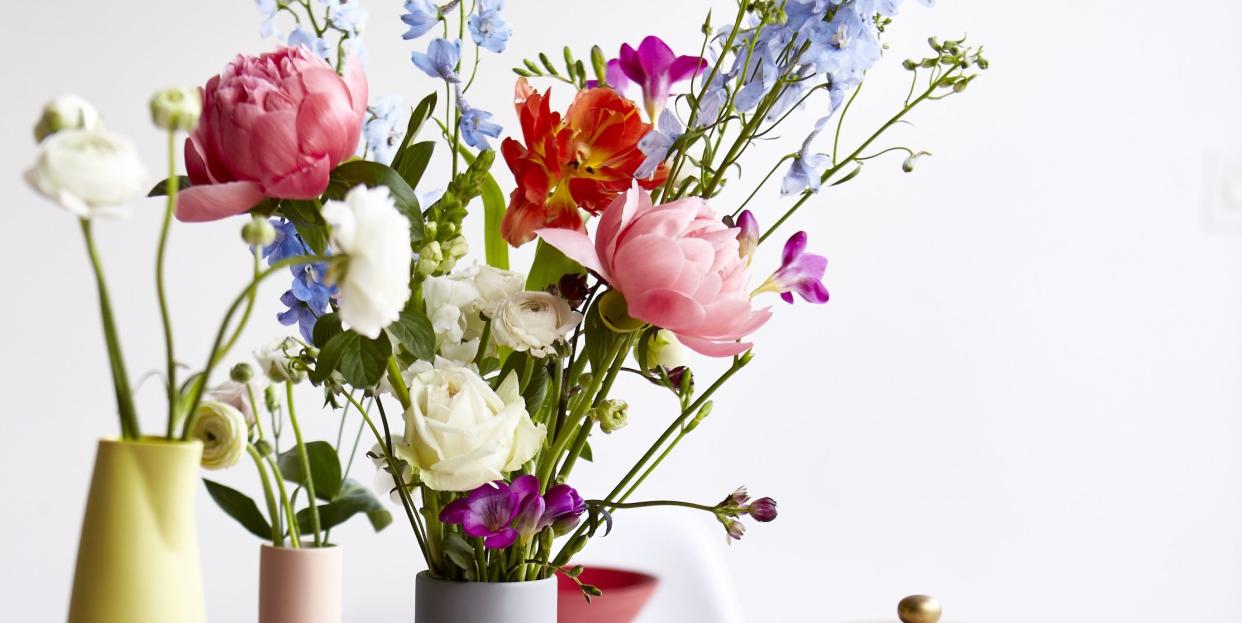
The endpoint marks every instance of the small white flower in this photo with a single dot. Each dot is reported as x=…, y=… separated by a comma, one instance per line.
x=495, y=286
x=67, y=112
x=459, y=433
x=223, y=431
x=455, y=301
x=237, y=395
x=276, y=360
x=534, y=322
x=88, y=172
x=375, y=281
x=176, y=108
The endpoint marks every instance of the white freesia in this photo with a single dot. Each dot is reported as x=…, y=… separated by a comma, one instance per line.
x=223, y=431
x=459, y=433
x=88, y=172
x=67, y=112
x=534, y=322
x=375, y=281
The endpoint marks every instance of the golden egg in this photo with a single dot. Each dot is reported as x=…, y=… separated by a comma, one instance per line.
x=919, y=609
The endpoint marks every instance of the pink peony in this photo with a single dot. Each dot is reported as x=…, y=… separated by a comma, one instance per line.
x=677, y=266
x=274, y=125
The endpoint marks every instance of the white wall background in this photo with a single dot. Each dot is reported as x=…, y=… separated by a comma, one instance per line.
x=1024, y=396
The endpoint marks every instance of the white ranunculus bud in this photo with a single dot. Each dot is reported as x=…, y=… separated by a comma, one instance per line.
x=223, y=431
x=67, y=112
x=259, y=232
x=459, y=433
x=665, y=350
x=375, y=283
x=276, y=360
x=533, y=322
x=88, y=172
x=176, y=108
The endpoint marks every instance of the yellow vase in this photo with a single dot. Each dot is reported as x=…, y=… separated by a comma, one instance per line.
x=138, y=555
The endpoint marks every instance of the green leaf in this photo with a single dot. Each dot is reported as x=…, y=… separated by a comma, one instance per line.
x=413, y=330
x=352, y=499
x=161, y=189
x=418, y=116
x=359, y=359
x=240, y=507
x=372, y=174
x=549, y=266
x=460, y=552
x=327, y=327
x=414, y=164
x=307, y=218
x=325, y=468
x=587, y=455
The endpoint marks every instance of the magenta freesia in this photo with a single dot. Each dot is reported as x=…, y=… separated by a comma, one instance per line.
x=500, y=513
x=800, y=272
x=677, y=266
x=653, y=67
x=273, y=125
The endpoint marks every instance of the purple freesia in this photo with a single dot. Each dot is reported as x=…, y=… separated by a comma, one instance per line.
x=653, y=67
x=500, y=512
x=800, y=272
x=748, y=236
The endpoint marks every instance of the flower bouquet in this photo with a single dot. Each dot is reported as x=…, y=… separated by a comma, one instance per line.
x=482, y=387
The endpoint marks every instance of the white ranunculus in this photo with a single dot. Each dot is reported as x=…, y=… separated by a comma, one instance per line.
x=67, y=112
x=533, y=321
x=276, y=359
x=223, y=431
x=375, y=282
x=88, y=172
x=460, y=434
x=665, y=350
x=455, y=301
x=495, y=286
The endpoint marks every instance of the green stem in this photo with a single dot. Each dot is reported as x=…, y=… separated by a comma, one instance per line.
x=483, y=340
x=398, y=383
x=245, y=317
x=120, y=378
x=304, y=457
x=278, y=539
x=701, y=507
x=295, y=534
x=216, y=353
x=166, y=318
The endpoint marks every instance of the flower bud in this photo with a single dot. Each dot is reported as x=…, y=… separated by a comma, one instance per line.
x=599, y=65
x=733, y=528
x=612, y=415
x=263, y=447
x=242, y=372
x=67, y=112
x=664, y=350
x=277, y=360
x=429, y=258
x=271, y=399
x=573, y=288
x=616, y=314
x=910, y=64
x=176, y=108
x=704, y=411
x=762, y=510
x=259, y=232
x=908, y=164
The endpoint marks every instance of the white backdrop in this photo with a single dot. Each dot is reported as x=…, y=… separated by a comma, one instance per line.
x=1023, y=396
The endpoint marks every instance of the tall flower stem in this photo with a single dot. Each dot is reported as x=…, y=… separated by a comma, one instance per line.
x=217, y=353
x=701, y=507
x=304, y=457
x=120, y=378
x=165, y=318
x=278, y=539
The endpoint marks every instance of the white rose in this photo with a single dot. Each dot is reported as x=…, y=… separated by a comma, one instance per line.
x=533, y=321
x=276, y=360
x=223, y=431
x=88, y=172
x=460, y=434
x=66, y=112
x=375, y=280
x=665, y=350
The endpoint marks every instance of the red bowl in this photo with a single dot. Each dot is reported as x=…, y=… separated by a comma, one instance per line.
x=625, y=594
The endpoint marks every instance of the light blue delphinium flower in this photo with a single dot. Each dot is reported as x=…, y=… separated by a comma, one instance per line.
x=305, y=38
x=440, y=60
x=476, y=125
x=268, y=9
x=489, y=29
x=383, y=130
x=348, y=16
x=808, y=167
x=657, y=142
x=287, y=243
x=421, y=16
x=308, y=297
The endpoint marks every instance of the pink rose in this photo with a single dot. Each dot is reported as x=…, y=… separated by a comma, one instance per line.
x=677, y=266
x=274, y=125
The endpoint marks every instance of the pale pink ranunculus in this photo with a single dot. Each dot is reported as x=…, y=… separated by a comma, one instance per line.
x=677, y=266
x=273, y=125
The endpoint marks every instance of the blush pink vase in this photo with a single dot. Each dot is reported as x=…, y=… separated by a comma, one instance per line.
x=300, y=585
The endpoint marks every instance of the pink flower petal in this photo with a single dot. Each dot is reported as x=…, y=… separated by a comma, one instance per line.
x=712, y=348
x=216, y=201
x=647, y=262
x=666, y=308
x=655, y=55
x=685, y=67
x=307, y=182
x=576, y=246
